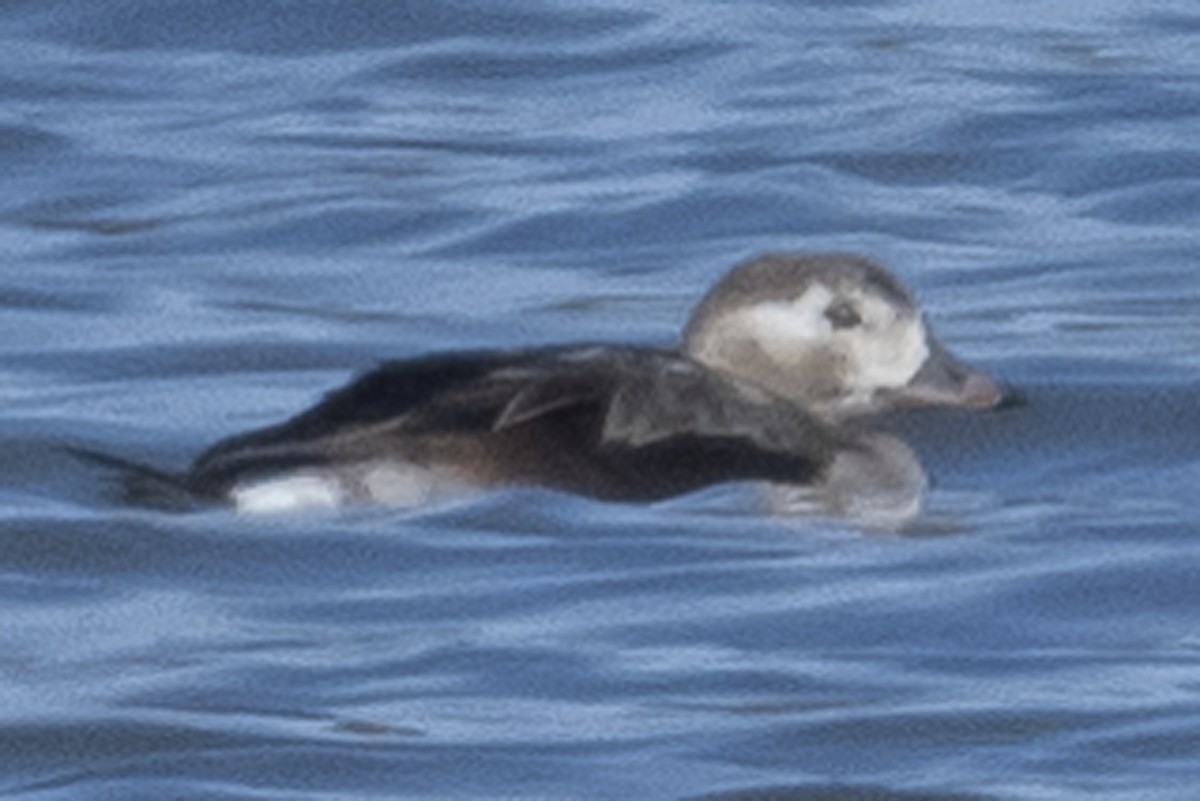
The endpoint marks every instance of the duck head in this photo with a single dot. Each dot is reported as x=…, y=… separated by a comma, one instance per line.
x=835, y=333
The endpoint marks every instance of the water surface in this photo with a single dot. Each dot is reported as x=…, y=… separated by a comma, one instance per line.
x=214, y=212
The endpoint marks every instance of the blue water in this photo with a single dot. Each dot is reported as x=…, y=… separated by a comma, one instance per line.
x=213, y=212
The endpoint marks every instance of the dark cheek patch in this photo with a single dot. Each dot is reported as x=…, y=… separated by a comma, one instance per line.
x=822, y=374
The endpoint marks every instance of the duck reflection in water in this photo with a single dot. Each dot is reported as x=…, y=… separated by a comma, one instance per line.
x=782, y=366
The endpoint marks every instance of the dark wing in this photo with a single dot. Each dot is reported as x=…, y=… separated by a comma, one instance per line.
x=669, y=396
x=466, y=392
x=140, y=484
x=618, y=422
x=674, y=426
x=391, y=390
x=640, y=424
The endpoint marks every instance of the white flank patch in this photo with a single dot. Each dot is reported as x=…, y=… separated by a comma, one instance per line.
x=402, y=484
x=387, y=483
x=288, y=494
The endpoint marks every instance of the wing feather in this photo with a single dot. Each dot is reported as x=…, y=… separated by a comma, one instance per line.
x=632, y=409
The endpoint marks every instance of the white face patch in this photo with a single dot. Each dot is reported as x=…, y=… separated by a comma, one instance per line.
x=883, y=351
x=833, y=349
x=780, y=327
x=888, y=348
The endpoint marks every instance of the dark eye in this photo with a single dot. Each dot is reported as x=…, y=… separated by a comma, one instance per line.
x=842, y=315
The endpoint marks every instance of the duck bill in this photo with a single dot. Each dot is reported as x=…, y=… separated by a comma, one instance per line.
x=945, y=381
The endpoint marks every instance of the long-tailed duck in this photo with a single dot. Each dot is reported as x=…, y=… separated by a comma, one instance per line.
x=780, y=364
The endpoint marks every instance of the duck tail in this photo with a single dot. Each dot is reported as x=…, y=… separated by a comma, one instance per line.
x=141, y=484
